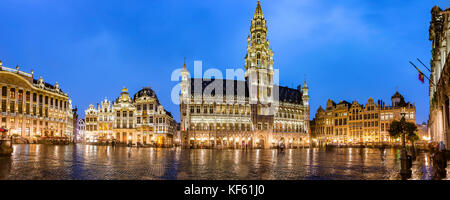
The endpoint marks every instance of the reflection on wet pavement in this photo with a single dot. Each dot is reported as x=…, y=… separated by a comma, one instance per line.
x=100, y=162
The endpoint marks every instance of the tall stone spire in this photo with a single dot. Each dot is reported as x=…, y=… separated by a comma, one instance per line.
x=259, y=59
x=258, y=52
x=305, y=96
x=258, y=22
x=184, y=83
x=258, y=11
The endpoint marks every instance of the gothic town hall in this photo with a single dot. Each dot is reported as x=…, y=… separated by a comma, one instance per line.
x=255, y=113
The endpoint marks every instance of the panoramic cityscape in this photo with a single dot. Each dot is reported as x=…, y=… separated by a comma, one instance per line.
x=138, y=102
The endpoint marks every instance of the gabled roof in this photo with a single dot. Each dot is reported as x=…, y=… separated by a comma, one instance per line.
x=344, y=102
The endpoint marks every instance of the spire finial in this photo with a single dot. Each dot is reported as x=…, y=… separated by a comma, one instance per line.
x=304, y=85
x=258, y=11
x=184, y=66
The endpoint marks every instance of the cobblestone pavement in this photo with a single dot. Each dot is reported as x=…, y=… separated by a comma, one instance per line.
x=81, y=162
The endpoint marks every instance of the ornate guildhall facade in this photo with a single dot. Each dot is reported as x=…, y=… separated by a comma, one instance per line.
x=255, y=113
x=354, y=123
x=31, y=108
x=139, y=120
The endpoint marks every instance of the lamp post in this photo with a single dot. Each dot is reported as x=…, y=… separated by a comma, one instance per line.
x=405, y=170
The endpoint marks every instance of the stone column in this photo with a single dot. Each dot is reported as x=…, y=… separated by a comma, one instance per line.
x=134, y=137
x=440, y=125
x=447, y=131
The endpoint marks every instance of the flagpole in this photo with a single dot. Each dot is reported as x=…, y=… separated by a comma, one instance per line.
x=423, y=64
x=421, y=73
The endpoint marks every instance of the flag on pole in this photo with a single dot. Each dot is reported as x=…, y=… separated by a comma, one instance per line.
x=421, y=77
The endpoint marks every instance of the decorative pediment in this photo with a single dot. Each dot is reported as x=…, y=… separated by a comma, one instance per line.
x=14, y=79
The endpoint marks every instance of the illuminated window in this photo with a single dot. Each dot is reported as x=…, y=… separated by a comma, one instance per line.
x=258, y=58
x=3, y=105
x=12, y=93
x=4, y=91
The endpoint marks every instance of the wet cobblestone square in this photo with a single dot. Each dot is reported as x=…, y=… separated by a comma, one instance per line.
x=87, y=162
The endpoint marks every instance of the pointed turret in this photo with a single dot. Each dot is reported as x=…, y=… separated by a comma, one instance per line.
x=258, y=11
x=185, y=82
x=184, y=66
x=305, y=96
x=258, y=21
x=184, y=73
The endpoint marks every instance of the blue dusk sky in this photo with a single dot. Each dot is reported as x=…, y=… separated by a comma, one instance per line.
x=346, y=49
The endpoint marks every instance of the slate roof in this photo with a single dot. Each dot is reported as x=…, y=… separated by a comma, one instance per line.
x=47, y=85
x=225, y=82
x=286, y=94
x=145, y=91
x=397, y=95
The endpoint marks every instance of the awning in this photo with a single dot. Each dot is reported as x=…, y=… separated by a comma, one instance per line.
x=3, y=130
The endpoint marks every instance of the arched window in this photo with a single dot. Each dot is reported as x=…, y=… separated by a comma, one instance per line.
x=258, y=38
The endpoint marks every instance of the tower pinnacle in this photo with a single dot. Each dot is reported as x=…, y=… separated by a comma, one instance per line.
x=258, y=11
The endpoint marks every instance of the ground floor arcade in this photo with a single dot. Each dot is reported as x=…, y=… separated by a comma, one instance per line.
x=242, y=140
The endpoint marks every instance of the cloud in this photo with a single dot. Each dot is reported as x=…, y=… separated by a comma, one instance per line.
x=318, y=20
